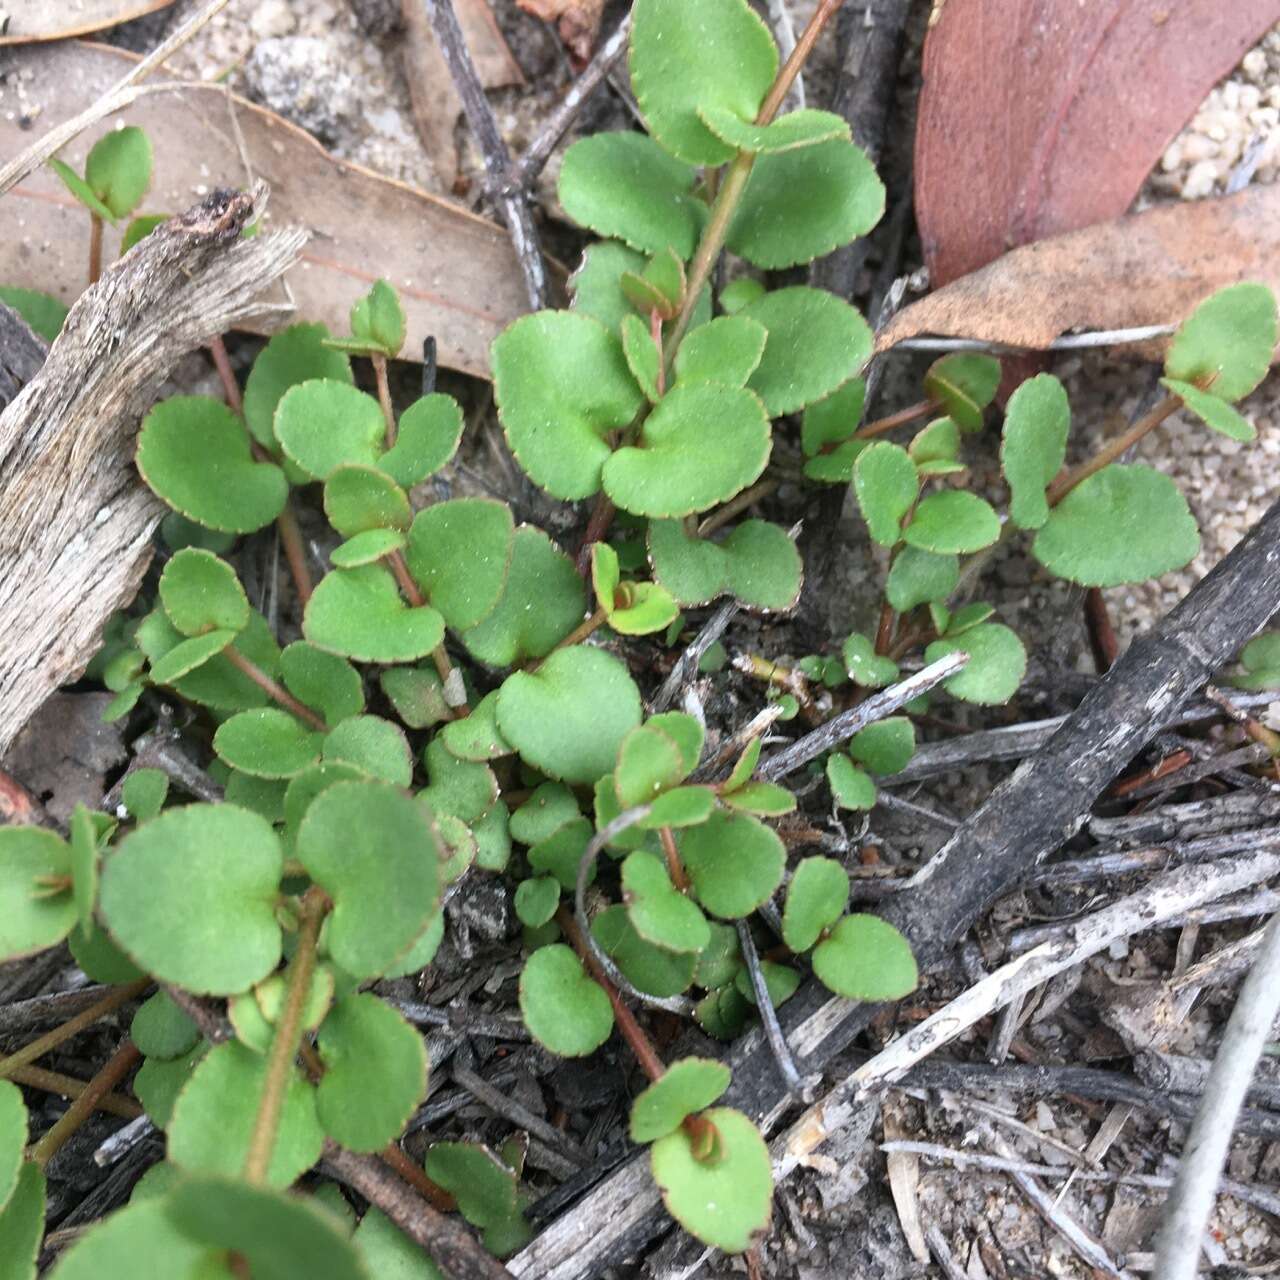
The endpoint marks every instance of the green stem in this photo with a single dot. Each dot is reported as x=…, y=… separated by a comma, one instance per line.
x=283, y=1053
x=118, y=1066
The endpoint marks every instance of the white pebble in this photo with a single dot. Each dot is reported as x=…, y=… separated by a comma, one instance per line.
x=1200, y=181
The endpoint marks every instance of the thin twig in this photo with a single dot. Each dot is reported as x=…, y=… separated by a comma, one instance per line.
x=1190, y=1202
x=842, y=727
x=118, y=1066
x=115, y=1104
x=497, y=159
x=688, y=661
x=505, y=1105
x=1067, y=342
x=769, y=1017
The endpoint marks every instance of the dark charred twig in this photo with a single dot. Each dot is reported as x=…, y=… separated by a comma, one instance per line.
x=497, y=159
x=687, y=664
x=445, y=1238
x=521, y=174
x=769, y=1017
x=842, y=727
x=506, y=1106
x=463, y=1020
x=22, y=1015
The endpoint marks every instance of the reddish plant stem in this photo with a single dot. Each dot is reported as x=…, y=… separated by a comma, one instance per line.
x=384, y=396
x=655, y=331
x=1162, y=769
x=412, y=592
x=273, y=689
x=109, y=1003
x=222, y=362
x=117, y=1067
x=597, y=526
x=294, y=552
x=1102, y=635
x=885, y=629
x=899, y=419
x=396, y=1159
x=747, y=498
x=95, y=248
x=584, y=629
x=632, y=1032
x=675, y=868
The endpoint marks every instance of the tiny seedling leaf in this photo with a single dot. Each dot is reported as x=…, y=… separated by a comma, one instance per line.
x=997, y=663
x=323, y=423
x=1225, y=345
x=118, y=169
x=427, y=437
x=267, y=743
x=885, y=483
x=953, y=521
x=296, y=354
x=1214, y=413
x=851, y=787
x=866, y=958
x=1034, y=446
x=359, y=613
x=684, y=1088
x=917, y=577
x=460, y=553
x=724, y=350
x=816, y=899
x=201, y=593
x=734, y=862
x=963, y=383
x=886, y=746
x=658, y=911
x=565, y=1011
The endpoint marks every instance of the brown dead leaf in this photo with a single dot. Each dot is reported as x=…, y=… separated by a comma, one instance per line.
x=432, y=97
x=579, y=21
x=28, y=20
x=1150, y=268
x=457, y=274
x=1039, y=116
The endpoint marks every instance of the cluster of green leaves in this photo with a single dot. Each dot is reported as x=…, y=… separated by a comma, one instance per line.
x=117, y=175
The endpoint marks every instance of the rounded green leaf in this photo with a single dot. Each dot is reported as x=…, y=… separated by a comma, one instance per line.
x=802, y=204
x=323, y=423
x=650, y=969
x=464, y=788
x=917, y=577
x=641, y=608
x=1213, y=412
x=378, y=319
x=1260, y=659
x=649, y=763
x=864, y=665
x=886, y=746
x=625, y=187
x=684, y=1088
x=118, y=169
x=562, y=384
x=459, y=553
x=725, y=350
x=189, y=655
x=99, y=958
x=997, y=663
x=780, y=981
x=161, y=1030
x=143, y=793
x=701, y=445
x=596, y=285
x=851, y=787
x=734, y=862
x=484, y=1187
x=22, y=1224
x=886, y=484
x=685, y=731
x=643, y=357
x=278, y=1236
x=139, y=229
x=952, y=521
x=658, y=911
x=715, y=54
x=816, y=899
x=803, y=128
x=427, y=436
x=536, y=900
x=866, y=958
x=563, y=1008
x=193, y=453
x=226, y=859
x=116, y=1246
x=1121, y=524
x=81, y=190
x=371, y=848
x=740, y=293
x=694, y=570
x=723, y=1012
x=725, y=1197
x=32, y=917
x=376, y=1073
x=765, y=569
x=296, y=354
x=476, y=737
x=267, y=743
x=937, y=443
x=817, y=342
x=375, y=746
x=417, y=695
x=1034, y=446
x=359, y=498
x=360, y=613
x=367, y=548
x=388, y=1253
x=201, y=593
x=42, y=312
x=13, y=1138
x=569, y=717
x=561, y=852
x=213, y=681
x=963, y=383
x=329, y=684
x=1225, y=346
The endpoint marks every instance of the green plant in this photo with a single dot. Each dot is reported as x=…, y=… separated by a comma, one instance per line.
x=500, y=742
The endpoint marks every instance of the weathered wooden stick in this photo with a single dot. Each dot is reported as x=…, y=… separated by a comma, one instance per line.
x=75, y=519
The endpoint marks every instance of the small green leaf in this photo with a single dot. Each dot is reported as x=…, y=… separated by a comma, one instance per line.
x=371, y=848
x=816, y=899
x=649, y=763
x=648, y=968
x=143, y=793
x=562, y=384
x=685, y=731
x=684, y=1088
x=22, y=1224
x=681, y=807
x=864, y=665
x=118, y=169
x=866, y=958
x=851, y=787
x=267, y=743
x=725, y=350
x=716, y=54
x=536, y=900
x=740, y=293
x=193, y=453
x=143, y=1230
x=693, y=570
x=416, y=694
x=296, y=354
x=780, y=982
x=159, y=1082
x=569, y=717
x=721, y=959
x=375, y=1073
x=375, y=746
x=764, y=568
x=1261, y=661
x=13, y=1138
x=766, y=799
x=476, y=737
x=701, y=445
x=642, y=608
x=460, y=553
x=565, y=1011
x=388, y=1253
x=834, y=419
x=817, y=342
x=226, y=859
x=360, y=613
x=466, y=789
x=658, y=911
x=936, y=443
x=886, y=746
x=189, y=655
x=725, y=1197
x=81, y=190
x=378, y=318
x=542, y=601
x=427, y=437
x=1214, y=413
x=486, y=1190
x=323, y=423
x=964, y=619
x=329, y=684
x=596, y=285
x=843, y=199
x=997, y=663
x=886, y=485
x=802, y=128
x=963, y=383
x=549, y=808
x=161, y=1030
x=1121, y=524
x=643, y=357
x=561, y=852
x=1034, y=446
x=722, y=1013
x=358, y=498
x=1226, y=344
x=42, y=312
x=623, y=186
x=916, y=577
x=952, y=521
x=201, y=593
x=32, y=918
x=84, y=865
x=734, y=862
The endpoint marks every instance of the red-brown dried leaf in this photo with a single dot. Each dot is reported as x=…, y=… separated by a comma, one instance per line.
x=1043, y=116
